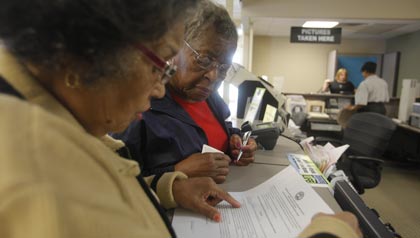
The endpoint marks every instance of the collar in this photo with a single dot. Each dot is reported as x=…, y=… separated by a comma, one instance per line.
x=14, y=73
x=372, y=76
x=169, y=106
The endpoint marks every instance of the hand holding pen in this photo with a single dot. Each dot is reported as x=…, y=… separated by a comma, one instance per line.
x=242, y=150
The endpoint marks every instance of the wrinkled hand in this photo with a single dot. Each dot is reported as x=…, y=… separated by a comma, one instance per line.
x=201, y=195
x=347, y=217
x=214, y=165
x=248, y=150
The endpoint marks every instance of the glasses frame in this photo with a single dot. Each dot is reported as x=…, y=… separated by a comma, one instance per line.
x=213, y=64
x=167, y=68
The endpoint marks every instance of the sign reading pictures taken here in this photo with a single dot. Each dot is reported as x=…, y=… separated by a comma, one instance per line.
x=315, y=35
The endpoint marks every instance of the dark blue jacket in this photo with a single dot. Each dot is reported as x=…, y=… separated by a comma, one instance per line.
x=167, y=134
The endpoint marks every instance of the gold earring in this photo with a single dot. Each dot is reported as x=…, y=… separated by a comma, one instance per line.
x=72, y=80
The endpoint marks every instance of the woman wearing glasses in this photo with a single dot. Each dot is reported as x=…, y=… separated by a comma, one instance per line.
x=72, y=71
x=172, y=133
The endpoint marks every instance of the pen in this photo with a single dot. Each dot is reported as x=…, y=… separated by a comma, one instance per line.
x=245, y=139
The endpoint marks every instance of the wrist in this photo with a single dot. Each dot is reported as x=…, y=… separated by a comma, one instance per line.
x=165, y=188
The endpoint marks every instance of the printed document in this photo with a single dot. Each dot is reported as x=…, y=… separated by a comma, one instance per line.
x=280, y=207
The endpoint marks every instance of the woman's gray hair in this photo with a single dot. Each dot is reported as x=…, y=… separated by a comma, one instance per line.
x=209, y=14
x=92, y=31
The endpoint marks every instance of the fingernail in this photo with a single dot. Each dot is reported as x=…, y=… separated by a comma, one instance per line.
x=217, y=218
x=238, y=145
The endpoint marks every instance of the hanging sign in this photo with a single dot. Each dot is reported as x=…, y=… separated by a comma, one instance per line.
x=315, y=35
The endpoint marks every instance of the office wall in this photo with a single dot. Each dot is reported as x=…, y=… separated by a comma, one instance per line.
x=409, y=46
x=304, y=66
x=333, y=9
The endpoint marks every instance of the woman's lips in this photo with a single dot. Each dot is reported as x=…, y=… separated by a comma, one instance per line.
x=203, y=90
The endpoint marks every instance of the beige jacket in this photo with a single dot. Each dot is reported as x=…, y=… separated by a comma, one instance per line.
x=58, y=181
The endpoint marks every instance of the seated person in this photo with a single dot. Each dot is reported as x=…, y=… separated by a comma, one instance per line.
x=171, y=134
x=372, y=93
x=340, y=85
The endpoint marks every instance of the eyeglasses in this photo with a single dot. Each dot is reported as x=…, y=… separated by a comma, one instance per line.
x=208, y=63
x=167, y=68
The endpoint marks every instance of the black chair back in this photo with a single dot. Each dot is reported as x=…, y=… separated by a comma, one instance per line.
x=368, y=134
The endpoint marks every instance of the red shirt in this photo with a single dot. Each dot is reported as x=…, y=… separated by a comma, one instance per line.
x=201, y=113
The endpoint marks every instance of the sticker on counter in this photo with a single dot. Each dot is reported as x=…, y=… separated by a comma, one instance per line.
x=309, y=171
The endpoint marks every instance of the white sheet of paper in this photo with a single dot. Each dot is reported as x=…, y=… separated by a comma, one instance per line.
x=209, y=149
x=270, y=113
x=251, y=114
x=280, y=207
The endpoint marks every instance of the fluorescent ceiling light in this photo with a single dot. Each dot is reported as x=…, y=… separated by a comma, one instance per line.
x=320, y=24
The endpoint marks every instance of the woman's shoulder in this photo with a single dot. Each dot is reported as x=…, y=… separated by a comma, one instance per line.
x=31, y=136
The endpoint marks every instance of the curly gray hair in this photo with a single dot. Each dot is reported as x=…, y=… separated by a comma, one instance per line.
x=209, y=14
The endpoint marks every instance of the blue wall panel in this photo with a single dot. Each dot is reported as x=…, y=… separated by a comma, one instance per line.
x=353, y=64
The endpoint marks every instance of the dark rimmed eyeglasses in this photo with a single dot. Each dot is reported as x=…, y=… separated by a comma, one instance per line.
x=208, y=63
x=167, y=68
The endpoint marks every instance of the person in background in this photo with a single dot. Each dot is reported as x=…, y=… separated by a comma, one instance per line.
x=372, y=93
x=340, y=85
x=72, y=71
x=171, y=134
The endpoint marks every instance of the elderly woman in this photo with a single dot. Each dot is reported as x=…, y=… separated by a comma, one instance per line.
x=171, y=134
x=340, y=85
x=71, y=72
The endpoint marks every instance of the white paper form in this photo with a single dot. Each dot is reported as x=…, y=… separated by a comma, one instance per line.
x=280, y=207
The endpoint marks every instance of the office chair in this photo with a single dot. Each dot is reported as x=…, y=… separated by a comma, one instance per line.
x=368, y=135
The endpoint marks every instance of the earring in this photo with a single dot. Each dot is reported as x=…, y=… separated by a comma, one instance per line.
x=72, y=80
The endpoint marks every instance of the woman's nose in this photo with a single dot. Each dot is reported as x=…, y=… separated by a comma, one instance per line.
x=212, y=74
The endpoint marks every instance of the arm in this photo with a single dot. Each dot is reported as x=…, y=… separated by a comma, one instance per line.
x=361, y=97
x=162, y=183
x=326, y=85
x=196, y=194
x=214, y=165
x=340, y=225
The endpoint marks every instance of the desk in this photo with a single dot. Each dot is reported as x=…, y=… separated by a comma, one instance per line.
x=391, y=106
x=404, y=144
x=323, y=127
x=267, y=164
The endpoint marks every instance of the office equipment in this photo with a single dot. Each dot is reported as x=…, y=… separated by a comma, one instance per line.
x=279, y=207
x=368, y=135
x=265, y=133
x=416, y=108
x=295, y=104
x=369, y=221
x=247, y=83
x=415, y=120
x=410, y=90
x=316, y=106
